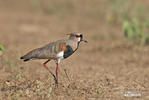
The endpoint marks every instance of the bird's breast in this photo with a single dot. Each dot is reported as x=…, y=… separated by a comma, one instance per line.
x=69, y=51
x=60, y=54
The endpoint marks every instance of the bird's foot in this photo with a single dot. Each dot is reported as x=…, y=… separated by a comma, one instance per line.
x=56, y=84
x=56, y=81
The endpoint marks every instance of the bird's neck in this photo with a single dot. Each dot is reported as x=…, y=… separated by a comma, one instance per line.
x=74, y=44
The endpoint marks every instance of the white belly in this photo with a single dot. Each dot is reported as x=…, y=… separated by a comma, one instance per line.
x=60, y=56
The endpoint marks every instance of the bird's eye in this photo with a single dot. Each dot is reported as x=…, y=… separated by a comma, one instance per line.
x=77, y=36
x=81, y=36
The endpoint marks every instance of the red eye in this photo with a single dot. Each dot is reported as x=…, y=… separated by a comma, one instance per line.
x=77, y=36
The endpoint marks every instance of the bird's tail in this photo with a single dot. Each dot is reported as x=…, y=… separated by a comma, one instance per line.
x=32, y=54
x=27, y=56
x=24, y=58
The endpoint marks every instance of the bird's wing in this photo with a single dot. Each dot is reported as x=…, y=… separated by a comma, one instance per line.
x=52, y=49
x=48, y=51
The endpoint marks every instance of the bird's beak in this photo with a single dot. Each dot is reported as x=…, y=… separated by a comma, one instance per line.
x=84, y=40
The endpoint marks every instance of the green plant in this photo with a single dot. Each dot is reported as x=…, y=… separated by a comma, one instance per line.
x=135, y=31
x=54, y=7
x=2, y=48
x=120, y=10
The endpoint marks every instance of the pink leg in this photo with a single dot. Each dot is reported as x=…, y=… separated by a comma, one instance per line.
x=44, y=64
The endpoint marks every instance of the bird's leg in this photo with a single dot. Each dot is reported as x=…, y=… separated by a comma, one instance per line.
x=57, y=72
x=44, y=64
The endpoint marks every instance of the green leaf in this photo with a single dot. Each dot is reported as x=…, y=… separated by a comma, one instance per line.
x=2, y=48
x=125, y=27
x=130, y=33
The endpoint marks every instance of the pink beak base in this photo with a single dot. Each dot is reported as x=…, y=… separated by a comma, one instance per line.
x=84, y=40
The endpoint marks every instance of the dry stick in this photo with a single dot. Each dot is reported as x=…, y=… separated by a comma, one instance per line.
x=67, y=75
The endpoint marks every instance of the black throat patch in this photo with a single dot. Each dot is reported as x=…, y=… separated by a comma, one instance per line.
x=69, y=51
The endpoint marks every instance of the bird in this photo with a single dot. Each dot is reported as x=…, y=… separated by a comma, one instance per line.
x=58, y=50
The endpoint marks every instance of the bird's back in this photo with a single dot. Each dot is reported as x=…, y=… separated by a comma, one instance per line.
x=48, y=51
x=52, y=49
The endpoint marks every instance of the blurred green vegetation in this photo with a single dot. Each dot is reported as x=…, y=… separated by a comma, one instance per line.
x=135, y=31
x=126, y=10
x=134, y=20
x=2, y=48
x=53, y=7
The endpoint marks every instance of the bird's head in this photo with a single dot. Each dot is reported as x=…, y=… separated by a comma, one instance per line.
x=77, y=37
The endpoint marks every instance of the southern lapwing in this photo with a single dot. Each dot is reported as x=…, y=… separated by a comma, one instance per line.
x=57, y=51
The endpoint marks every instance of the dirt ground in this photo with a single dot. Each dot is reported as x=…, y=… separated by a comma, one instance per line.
x=107, y=68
